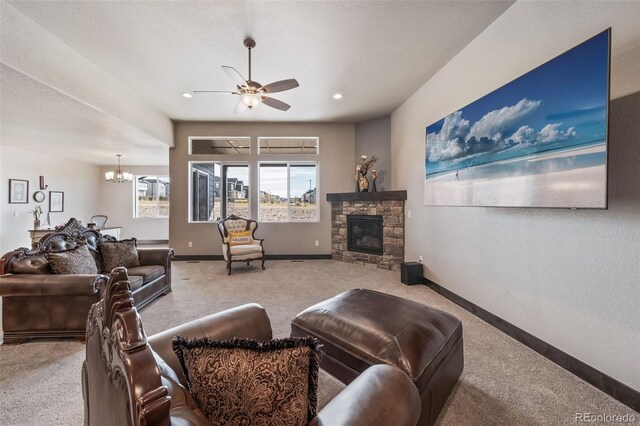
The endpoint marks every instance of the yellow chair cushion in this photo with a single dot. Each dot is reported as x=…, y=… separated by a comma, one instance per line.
x=240, y=238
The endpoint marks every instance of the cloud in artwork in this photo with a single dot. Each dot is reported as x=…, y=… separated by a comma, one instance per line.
x=458, y=139
x=495, y=123
x=550, y=133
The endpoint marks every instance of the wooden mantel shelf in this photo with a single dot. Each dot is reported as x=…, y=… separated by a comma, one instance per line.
x=368, y=196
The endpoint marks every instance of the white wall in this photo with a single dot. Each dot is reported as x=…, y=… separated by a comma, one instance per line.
x=571, y=278
x=79, y=181
x=117, y=202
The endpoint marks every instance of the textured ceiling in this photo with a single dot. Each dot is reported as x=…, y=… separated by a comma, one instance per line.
x=36, y=117
x=375, y=52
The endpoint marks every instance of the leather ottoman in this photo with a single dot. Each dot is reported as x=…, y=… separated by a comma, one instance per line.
x=360, y=327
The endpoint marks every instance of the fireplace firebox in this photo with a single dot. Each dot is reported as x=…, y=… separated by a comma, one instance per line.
x=364, y=234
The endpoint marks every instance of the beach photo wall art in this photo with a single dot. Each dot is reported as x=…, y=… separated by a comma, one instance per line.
x=539, y=141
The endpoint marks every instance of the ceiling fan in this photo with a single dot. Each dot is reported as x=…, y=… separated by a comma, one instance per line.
x=251, y=92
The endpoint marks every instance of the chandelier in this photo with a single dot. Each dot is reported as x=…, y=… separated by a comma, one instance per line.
x=118, y=176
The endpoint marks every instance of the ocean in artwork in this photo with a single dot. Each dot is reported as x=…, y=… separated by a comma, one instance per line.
x=539, y=141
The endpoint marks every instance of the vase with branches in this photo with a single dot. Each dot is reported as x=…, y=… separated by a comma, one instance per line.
x=362, y=168
x=37, y=212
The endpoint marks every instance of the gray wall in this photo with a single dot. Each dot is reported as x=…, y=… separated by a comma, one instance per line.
x=336, y=174
x=373, y=137
x=568, y=277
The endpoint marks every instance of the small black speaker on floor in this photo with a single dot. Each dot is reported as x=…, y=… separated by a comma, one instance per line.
x=411, y=273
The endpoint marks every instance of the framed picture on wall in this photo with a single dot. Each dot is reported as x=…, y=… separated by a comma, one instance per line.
x=18, y=191
x=56, y=201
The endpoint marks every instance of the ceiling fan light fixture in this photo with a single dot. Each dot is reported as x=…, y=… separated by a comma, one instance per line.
x=187, y=95
x=250, y=99
x=338, y=95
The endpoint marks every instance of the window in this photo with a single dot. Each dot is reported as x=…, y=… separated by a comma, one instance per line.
x=212, y=182
x=294, y=145
x=219, y=145
x=152, y=196
x=288, y=192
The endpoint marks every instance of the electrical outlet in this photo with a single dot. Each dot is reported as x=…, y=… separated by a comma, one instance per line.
x=409, y=213
x=16, y=214
x=190, y=243
x=420, y=259
x=317, y=243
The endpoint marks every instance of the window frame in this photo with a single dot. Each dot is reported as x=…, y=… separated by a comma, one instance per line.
x=157, y=197
x=200, y=138
x=259, y=138
x=223, y=189
x=288, y=163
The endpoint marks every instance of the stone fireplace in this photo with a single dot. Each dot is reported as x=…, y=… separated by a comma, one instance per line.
x=368, y=228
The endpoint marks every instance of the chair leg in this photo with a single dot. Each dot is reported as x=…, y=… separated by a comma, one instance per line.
x=247, y=263
x=263, y=262
x=229, y=266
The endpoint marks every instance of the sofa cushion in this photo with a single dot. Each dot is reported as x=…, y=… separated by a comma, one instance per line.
x=241, y=381
x=74, y=261
x=135, y=282
x=148, y=273
x=245, y=249
x=31, y=265
x=119, y=253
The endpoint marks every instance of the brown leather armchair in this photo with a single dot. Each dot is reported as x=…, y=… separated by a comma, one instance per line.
x=129, y=379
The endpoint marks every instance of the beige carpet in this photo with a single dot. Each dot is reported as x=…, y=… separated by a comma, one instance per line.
x=504, y=382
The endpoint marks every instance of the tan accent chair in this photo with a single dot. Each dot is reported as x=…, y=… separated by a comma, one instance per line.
x=244, y=252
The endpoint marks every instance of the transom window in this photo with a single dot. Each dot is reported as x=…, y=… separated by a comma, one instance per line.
x=288, y=145
x=152, y=196
x=288, y=192
x=219, y=145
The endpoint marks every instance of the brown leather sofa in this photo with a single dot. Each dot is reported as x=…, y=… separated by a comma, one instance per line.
x=129, y=379
x=38, y=303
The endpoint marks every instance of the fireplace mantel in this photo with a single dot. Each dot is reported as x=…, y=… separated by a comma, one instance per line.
x=368, y=196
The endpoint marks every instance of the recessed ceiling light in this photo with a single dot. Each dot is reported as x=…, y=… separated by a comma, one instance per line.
x=337, y=95
x=187, y=95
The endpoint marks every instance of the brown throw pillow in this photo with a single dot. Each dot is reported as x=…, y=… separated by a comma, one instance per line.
x=242, y=382
x=74, y=261
x=119, y=253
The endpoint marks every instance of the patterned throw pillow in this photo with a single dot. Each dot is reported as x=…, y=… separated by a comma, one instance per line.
x=74, y=261
x=240, y=238
x=119, y=253
x=243, y=382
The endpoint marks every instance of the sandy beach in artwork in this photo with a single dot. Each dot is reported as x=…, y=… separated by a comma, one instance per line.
x=574, y=188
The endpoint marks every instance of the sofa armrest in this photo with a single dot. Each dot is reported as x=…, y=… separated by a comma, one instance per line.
x=247, y=321
x=159, y=256
x=381, y=395
x=50, y=285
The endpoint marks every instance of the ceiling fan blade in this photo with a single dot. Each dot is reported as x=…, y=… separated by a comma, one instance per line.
x=235, y=75
x=226, y=92
x=281, y=86
x=240, y=108
x=274, y=103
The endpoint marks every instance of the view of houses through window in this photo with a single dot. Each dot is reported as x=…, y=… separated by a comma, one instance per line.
x=152, y=196
x=220, y=187
x=288, y=192
x=213, y=182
